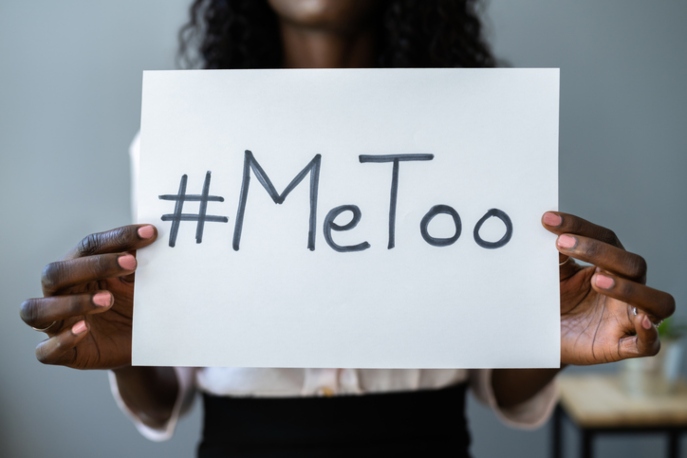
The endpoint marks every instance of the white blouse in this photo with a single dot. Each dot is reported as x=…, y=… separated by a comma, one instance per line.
x=272, y=382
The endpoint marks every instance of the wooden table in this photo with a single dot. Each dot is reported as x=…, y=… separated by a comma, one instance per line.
x=597, y=404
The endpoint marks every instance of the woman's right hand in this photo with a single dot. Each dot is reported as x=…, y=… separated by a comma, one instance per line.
x=88, y=301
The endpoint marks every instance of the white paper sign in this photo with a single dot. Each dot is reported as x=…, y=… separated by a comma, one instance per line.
x=409, y=235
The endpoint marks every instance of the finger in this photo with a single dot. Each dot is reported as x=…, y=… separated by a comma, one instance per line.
x=125, y=238
x=657, y=304
x=567, y=267
x=132, y=276
x=608, y=257
x=644, y=343
x=60, y=349
x=40, y=312
x=561, y=223
x=63, y=274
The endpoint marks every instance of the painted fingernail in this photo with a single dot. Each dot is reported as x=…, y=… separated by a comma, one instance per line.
x=604, y=282
x=146, y=232
x=552, y=219
x=646, y=322
x=79, y=327
x=127, y=262
x=566, y=241
x=102, y=299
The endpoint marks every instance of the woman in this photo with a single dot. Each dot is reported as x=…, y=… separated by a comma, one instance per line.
x=607, y=312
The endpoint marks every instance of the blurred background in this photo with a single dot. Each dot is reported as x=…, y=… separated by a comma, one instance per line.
x=69, y=106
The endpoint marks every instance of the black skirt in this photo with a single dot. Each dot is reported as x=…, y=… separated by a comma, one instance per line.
x=416, y=423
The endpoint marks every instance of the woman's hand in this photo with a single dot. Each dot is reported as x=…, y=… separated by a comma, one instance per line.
x=88, y=301
x=607, y=312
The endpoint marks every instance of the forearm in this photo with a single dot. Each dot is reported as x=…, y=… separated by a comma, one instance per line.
x=515, y=386
x=149, y=392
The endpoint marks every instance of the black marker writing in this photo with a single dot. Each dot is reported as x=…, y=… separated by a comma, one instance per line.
x=434, y=211
x=329, y=224
x=395, y=158
x=313, y=168
x=503, y=240
x=202, y=215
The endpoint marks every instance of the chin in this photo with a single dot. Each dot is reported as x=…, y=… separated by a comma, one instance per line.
x=338, y=14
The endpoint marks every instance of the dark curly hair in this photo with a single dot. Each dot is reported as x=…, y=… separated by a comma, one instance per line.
x=412, y=33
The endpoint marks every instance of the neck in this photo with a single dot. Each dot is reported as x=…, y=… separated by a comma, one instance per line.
x=317, y=48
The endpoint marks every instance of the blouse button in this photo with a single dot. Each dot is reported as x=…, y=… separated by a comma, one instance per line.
x=325, y=391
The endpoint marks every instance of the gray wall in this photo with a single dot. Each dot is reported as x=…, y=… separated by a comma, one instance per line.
x=69, y=105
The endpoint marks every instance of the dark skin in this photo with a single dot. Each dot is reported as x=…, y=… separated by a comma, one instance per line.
x=597, y=302
x=327, y=33
x=88, y=335
x=89, y=294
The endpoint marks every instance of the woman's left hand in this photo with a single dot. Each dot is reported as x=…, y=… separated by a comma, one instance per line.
x=607, y=312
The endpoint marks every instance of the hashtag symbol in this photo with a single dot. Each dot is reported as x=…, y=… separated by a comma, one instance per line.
x=201, y=217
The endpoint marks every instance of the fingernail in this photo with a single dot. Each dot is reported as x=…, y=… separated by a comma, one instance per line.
x=566, y=241
x=146, y=232
x=79, y=327
x=127, y=262
x=552, y=219
x=102, y=299
x=604, y=282
x=646, y=323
